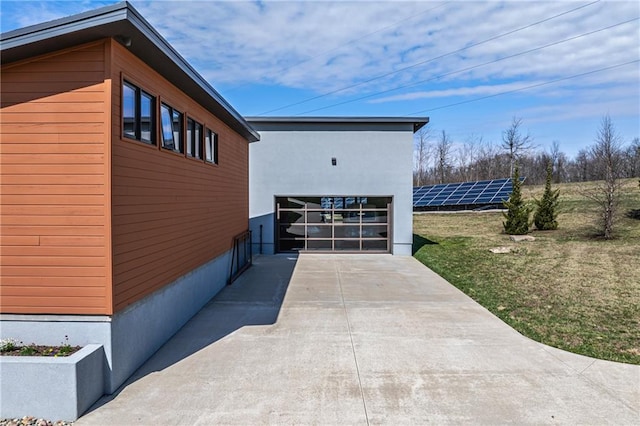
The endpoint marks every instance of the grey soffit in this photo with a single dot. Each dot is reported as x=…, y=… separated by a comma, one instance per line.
x=417, y=122
x=465, y=193
x=125, y=24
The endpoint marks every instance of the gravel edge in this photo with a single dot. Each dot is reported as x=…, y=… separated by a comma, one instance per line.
x=33, y=421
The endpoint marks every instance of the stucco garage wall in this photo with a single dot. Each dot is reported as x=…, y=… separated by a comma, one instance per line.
x=373, y=159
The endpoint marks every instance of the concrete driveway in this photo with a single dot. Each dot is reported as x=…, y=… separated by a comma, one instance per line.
x=362, y=339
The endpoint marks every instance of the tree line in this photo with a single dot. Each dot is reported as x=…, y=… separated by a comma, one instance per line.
x=438, y=159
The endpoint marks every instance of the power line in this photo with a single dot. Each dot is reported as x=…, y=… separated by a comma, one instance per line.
x=416, y=83
x=350, y=42
x=525, y=88
x=430, y=60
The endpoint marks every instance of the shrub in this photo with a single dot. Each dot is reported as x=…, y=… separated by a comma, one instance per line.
x=545, y=217
x=28, y=350
x=7, y=345
x=517, y=215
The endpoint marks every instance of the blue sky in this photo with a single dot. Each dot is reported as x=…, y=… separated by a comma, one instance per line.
x=469, y=65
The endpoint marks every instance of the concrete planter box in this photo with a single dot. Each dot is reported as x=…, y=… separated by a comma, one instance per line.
x=60, y=388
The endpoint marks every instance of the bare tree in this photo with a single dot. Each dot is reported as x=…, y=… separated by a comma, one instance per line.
x=534, y=167
x=515, y=143
x=443, y=154
x=606, y=154
x=422, y=155
x=561, y=168
x=556, y=159
x=560, y=162
x=487, y=167
x=581, y=166
x=632, y=159
x=468, y=157
x=554, y=151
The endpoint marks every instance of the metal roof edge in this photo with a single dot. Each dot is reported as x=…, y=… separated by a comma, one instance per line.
x=44, y=30
x=147, y=29
x=121, y=12
x=418, y=122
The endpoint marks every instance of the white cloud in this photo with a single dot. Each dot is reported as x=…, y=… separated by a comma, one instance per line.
x=322, y=46
x=484, y=90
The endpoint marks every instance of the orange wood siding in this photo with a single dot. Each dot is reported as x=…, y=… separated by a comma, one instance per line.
x=53, y=184
x=170, y=214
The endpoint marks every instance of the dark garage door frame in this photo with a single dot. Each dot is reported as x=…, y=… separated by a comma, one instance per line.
x=344, y=224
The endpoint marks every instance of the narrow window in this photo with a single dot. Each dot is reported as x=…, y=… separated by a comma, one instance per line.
x=211, y=146
x=189, y=136
x=194, y=139
x=129, y=111
x=167, y=127
x=177, y=130
x=146, y=117
x=138, y=114
x=197, y=143
x=171, y=128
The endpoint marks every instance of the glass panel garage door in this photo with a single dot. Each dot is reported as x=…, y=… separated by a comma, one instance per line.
x=347, y=224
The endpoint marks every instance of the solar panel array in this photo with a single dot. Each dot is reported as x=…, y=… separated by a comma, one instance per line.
x=466, y=193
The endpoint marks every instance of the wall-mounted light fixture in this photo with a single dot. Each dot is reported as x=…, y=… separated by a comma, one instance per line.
x=124, y=40
x=334, y=161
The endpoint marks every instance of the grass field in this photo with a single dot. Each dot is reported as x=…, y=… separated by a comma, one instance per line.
x=568, y=288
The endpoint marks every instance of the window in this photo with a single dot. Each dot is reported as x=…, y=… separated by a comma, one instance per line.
x=211, y=146
x=129, y=122
x=147, y=111
x=194, y=139
x=171, y=128
x=138, y=114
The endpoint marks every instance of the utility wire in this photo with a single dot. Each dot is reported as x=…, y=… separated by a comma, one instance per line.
x=350, y=42
x=430, y=60
x=416, y=83
x=525, y=88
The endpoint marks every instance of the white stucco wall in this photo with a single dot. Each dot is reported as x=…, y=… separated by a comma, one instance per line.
x=372, y=160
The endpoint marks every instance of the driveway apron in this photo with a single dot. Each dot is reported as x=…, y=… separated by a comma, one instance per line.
x=362, y=339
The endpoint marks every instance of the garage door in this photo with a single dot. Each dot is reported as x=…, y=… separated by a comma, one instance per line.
x=333, y=223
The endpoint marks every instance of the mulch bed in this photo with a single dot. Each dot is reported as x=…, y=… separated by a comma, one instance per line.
x=41, y=350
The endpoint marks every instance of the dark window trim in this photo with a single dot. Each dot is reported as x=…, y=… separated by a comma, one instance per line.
x=156, y=127
x=178, y=148
x=191, y=127
x=138, y=93
x=214, y=146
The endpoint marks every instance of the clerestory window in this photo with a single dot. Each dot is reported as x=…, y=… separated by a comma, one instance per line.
x=211, y=146
x=172, y=138
x=194, y=139
x=138, y=114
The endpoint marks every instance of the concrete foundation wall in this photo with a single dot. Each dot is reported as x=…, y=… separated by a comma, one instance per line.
x=299, y=162
x=53, y=388
x=140, y=330
x=131, y=336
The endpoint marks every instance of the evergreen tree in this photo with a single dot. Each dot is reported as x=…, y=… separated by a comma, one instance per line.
x=545, y=217
x=517, y=214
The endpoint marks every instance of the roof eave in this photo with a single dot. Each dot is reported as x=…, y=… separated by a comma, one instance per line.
x=418, y=122
x=123, y=23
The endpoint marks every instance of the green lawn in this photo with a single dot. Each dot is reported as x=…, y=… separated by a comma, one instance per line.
x=568, y=288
